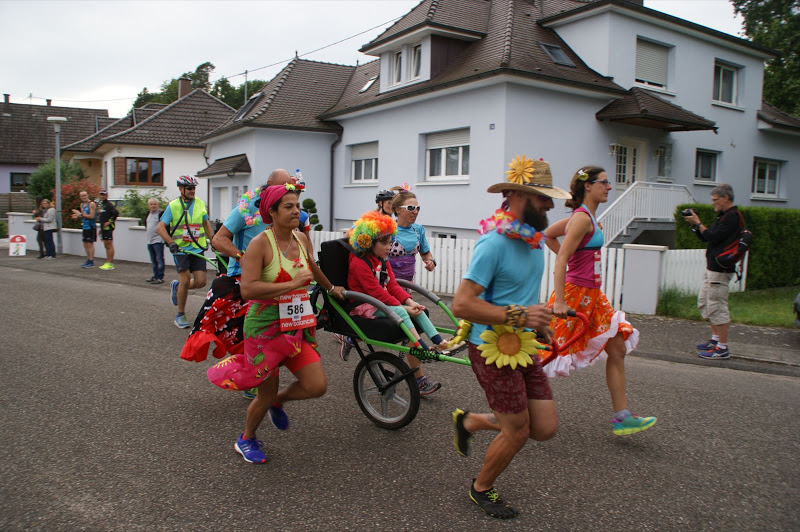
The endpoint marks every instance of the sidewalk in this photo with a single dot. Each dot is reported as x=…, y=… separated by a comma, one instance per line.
x=762, y=349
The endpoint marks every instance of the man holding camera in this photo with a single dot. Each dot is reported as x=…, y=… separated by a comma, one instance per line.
x=713, y=298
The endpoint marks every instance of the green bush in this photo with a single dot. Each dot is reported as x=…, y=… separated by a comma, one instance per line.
x=311, y=208
x=134, y=205
x=776, y=242
x=42, y=182
x=3, y=229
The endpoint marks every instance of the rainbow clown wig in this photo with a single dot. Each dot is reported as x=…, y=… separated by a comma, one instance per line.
x=371, y=227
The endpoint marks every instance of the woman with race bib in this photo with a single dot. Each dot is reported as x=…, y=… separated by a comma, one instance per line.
x=410, y=238
x=280, y=326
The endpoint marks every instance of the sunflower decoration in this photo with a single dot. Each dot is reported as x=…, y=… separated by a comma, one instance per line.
x=521, y=170
x=507, y=346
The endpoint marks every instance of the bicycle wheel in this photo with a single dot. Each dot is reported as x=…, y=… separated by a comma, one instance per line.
x=390, y=406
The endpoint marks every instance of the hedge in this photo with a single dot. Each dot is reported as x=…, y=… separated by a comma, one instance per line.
x=774, y=254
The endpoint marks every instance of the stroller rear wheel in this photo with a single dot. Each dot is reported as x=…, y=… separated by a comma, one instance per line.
x=386, y=390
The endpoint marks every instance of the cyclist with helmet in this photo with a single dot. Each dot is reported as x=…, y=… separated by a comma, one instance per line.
x=384, y=201
x=184, y=226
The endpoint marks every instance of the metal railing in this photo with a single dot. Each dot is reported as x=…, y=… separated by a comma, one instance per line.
x=642, y=200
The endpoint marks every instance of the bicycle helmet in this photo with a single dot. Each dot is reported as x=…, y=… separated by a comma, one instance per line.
x=185, y=180
x=384, y=195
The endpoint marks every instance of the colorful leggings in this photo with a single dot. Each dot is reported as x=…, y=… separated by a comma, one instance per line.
x=422, y=320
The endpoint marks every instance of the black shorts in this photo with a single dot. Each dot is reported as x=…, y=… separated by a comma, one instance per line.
x=193, y=263
x=107, y=234
x=89, y=235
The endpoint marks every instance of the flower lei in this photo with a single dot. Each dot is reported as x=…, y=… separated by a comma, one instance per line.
x=244, y=207
x=506, y=223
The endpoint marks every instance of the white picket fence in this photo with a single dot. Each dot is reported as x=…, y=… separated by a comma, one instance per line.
x=682, y=269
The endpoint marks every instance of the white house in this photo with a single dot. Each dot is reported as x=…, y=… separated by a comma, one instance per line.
x=154, y=144
x=459, y=87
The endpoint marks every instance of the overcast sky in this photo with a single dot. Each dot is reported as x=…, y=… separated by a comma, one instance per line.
x=81, y=52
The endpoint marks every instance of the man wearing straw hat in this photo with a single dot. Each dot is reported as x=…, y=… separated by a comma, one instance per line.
x=499, y=294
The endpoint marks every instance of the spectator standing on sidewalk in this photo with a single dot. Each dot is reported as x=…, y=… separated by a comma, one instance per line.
x=187, y=220
x=47, y=223
x=87, y=213
x=155, y=244
x=107, y=217
x=713, y=298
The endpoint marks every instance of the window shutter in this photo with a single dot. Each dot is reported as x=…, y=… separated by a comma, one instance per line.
x=651, y=62
x=456, y=137
x=120, y=169
x=365, y=151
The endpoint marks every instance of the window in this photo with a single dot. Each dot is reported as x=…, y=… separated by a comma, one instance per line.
x=705, y=168
x=447, y=154
x=651, y=63
x=725, y=84
x=664, y=157
x=144, y=171
x=247, y=107
x=766, y=177
x=19, y=181
x=397, y=68
x=447, y=236
x=416, y=61
x=364, y=166
x=368, y=84
x=556, y=54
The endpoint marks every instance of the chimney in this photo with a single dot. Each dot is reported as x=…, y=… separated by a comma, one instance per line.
x=184, y=87
x=49, y=102
x=7, y=97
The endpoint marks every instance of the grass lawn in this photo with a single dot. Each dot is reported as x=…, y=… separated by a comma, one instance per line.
x=771, y=307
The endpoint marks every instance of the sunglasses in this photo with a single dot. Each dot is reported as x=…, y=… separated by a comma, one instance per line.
x=604, y=182
x=411, y=208
x=189, y=187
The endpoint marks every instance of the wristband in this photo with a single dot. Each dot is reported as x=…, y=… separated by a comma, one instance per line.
x=516, y=315
x=239, y=256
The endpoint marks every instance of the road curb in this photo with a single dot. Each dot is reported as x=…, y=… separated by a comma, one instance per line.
x=735, y=362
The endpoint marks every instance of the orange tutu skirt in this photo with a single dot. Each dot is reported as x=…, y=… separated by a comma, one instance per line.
x=604, y=324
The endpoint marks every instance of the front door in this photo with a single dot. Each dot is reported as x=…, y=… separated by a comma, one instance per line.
x=629, y=165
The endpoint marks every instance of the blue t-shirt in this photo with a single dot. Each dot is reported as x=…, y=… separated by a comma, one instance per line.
x=167, y=219
x=409, y=236
x=88, y=223
x=509, y=271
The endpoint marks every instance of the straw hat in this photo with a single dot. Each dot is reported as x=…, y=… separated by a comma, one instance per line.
x=527, y=175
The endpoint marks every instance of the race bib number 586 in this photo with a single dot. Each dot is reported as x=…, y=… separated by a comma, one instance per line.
x=295, y=311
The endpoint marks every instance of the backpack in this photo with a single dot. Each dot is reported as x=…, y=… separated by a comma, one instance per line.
x=734, y=252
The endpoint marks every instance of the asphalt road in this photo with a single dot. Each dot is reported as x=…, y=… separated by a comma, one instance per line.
x=104, y=427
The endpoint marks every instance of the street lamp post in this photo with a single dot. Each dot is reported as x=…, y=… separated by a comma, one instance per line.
x=57, y=121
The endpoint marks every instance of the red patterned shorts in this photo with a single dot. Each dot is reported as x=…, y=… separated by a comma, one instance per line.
x=509, y=390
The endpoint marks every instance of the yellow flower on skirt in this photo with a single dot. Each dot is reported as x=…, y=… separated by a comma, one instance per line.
x=506, y=346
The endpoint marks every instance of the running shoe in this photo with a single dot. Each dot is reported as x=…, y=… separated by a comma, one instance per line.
x=345, y=345
x=250, y=450
x=706, y=346
x=107, y=266
x=181, y=322
x=631, y=424
x=278, y=417
x=151, y=280
x=173, y=288
x=88, y=264
x=717, y=353
x=461, y=436
x=158, y=281
x=490, y=502
x=250, y=394
x=49, y=258
x=427, y=387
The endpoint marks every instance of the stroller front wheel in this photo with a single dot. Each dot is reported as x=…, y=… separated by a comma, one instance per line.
x=386, y=390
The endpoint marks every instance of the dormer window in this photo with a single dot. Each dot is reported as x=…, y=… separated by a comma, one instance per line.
x=247, y=107
x=368, y=84
x=416, y=61
x=397, y=68
x=556, y=54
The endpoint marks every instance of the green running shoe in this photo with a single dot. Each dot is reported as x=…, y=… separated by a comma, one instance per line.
x=631, y=424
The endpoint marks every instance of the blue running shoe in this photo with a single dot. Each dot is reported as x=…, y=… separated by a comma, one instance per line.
x=706, y=346
x=717, y=353
x=88, y=264
x=250, y=394
x=631, y=424
x=250, y=450
x=173, y=287
x=181, y=322
x=278, y=417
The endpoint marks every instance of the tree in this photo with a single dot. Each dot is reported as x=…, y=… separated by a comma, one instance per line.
x=42, y=183
x=234, y=96
x=776, y=24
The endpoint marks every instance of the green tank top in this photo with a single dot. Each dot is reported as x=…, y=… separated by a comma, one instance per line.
x=279, y=262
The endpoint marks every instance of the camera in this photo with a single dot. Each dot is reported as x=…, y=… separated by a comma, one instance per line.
x=686, y=212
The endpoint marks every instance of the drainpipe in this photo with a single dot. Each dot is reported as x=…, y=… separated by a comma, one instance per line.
x=333, y=185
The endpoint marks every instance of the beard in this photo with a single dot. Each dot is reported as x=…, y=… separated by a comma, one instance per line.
x=533, y=217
